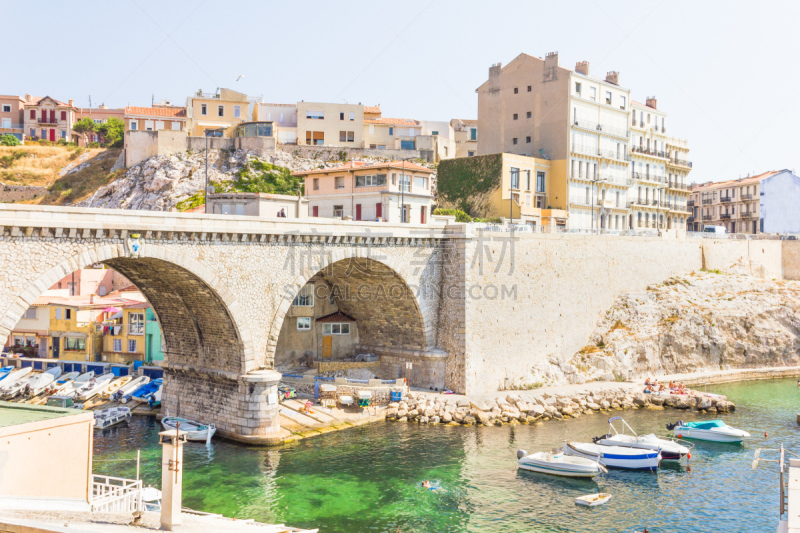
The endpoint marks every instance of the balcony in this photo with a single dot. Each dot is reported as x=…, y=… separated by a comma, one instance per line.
x=613, y=154
x=680, y=163
x=616, y=132
x=748, y=214
x=725, y=216
x=707, y=218
x=724, y=199
x=586, y=124
x=677, y=186
x=691, y=219
x=707, y=201
x=690, y=203
x=10, y=127
x=745, y=197
x=648, y=151
x=584, y=150
x=666, y=204
x=52, y=121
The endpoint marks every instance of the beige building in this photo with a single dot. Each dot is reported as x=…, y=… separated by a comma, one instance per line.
x=257, y=205
x=212, y=111
x=339, y=125
x=535, y=107
x=733, y=204
x=11, y=116
x=49, y=119
x=465, y=137
x=391, y=133
x=172, y=118
x=283, y=116
x=47, y=458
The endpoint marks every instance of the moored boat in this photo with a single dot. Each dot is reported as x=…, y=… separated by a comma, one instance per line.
x=6, y=371
x=129, y=388
x=145, y=392
x=115, y=385
x=194, y=430
x=110, y=417
x=710, y=430
x=593, y=500
x=70, y=388
x=38, y=383
x=614, y=456
x=93, y=387
x=58, y=385
x=557, y=464
x=670, y=450
x=12, y=378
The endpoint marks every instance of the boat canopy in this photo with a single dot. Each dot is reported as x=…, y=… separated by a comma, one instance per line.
x=711, y=424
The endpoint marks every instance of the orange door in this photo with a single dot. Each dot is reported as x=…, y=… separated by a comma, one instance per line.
x=327, y=346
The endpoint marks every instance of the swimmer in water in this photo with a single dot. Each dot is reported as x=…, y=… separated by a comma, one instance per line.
x=427, y=485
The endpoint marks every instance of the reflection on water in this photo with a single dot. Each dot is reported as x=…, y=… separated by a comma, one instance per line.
x=368, y=478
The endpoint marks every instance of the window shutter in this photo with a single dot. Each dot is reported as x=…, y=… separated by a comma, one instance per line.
x=379, y=210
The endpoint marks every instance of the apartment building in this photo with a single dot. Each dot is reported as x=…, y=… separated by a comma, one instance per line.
x=283, y=116
x=49, y=119
x=220, y=112
x=338, y=125
x=391, y=133
x=765, y=203
x=12, y=121
x=98, y=115
x=390, y=191
x=171, y=118
x=465, y=135
x=617, y=178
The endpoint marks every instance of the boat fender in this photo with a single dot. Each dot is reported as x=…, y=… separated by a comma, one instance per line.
x=521, y=454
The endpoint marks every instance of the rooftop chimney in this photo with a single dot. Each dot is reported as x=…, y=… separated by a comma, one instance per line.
x=495, y=69
x=72, y=103
x=91, y=298
x=651, y=102
x=103, y=106
x=551, y=60
x=613, y=77
x=28, y=98
x=582, y=67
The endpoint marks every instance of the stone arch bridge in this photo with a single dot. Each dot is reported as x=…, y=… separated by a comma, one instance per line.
x=222, y=285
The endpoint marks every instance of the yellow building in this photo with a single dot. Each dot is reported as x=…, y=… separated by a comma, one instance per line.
x=69, y=339
x=210, y=111
x=124, y=334
x=340, y=125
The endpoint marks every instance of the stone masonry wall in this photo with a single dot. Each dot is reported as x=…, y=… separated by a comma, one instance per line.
x=791, y=259
x=15, y=193
x=330, y=153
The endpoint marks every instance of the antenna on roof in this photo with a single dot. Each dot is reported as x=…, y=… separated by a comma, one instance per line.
x=153, y=100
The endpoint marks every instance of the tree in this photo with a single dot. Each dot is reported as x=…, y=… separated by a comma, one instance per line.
x=84, y=126
x=112, y=131
x=9, y=140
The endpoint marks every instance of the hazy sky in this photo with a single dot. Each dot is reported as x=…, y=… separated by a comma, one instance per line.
x=726, y=72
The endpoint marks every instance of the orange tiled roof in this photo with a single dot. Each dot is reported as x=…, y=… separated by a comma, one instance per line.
x=175, y=112
x=469, y=121
x=372, y=108
x=137, y=305
x=736, y=183
x=45, y=300
x=337, y=316
x=362, y=165
x=392, y=121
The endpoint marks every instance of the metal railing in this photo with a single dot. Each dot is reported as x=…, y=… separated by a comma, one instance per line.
x=47, y=121
x=12, y=126
x=707, y=218
x=725, y=216
x=681, y=162
x=745, y=196
x=585, y=150
x=724, y=199
x=707, y=201
x=116, y=494
x=690, y=203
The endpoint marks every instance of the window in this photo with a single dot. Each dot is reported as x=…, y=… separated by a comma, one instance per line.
x=315, y=115
x=305, y=298
x=159, y=125
x=608, y=97
x=420, y=183
x=304, y=323
x=593, y=94
x=342, y=328
x=473, y=134
x=515, y=178
x=30, y=313
x=6, y=108
x=528, y=115
x=64, y=116
x=405, y=183
x=528, y=139
x=338, y=211
x=540, y=182
x=281, y=119
x=516, y=116
x=58, y=313
x=391, y=130
x=131, y=345
x=134, y=125
x=352, y=115
x=340, y=182
x=514, y=140
x=372, y=180
x=237, y=111
x=528, y=181
x=434, y=132
x=64, y=134
x=117, y=345
x=578, y=88
x=76, y=345
x=516, y=90
x=33, y=114
x=342, y=136
x=341, y=115
x=220, y=110
x=372, y=130
x=351, y=136
x=148, y=125
x=316, y=184
x=136, y=324
x=470, y=153
x=203, y=111
x=67, y=314
x=98, y=121
x=176, y=126
x=622, y=102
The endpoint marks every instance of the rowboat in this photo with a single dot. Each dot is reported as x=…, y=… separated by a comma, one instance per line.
x=614, y=456
x=129, y=388
x=670, y=450
x=70, y=388
x=110, y=417
x=145, y=392
x=6, y=371
x=59, y=384
x=711, y=430
x=115, y=385
x=38, y=383
x=93, y=387
x=557, y=464
x=9, y=385
x=593, y=500
x=195, y=430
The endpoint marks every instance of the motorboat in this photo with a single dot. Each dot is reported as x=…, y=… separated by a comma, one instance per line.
x=12, y=378
x=557, y=464
x=6, y=371
x=129, y=387
x=711, y=430
x=115, y=385
x=111, y=417
x=614, y=456
x=38, y=383
x=593, y=500
x=194, y=430
x=151, y=497
x=145, y=392
x=93, y=387
x=17, y=387
x=58, y=385
x=70, y=388
x=670, y=450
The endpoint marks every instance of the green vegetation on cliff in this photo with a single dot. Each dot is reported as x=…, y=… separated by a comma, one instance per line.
x=461, y=181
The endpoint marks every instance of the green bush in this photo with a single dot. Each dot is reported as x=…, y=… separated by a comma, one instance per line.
x=259, y=176
x=9, y=140
x=193, y=201
x=459, y=181
x=43, y=142
x=489, y=220
x=7, y=161
x=94, y=145
x=460, y=215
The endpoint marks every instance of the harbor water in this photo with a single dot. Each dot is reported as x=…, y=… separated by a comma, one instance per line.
x=367, y=479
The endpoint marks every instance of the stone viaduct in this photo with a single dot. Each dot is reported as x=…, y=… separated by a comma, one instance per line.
x=472, y=312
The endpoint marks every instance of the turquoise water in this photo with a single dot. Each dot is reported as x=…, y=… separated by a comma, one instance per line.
x=367, y=479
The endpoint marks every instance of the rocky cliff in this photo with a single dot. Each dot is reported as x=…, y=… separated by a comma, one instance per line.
x=703, y=321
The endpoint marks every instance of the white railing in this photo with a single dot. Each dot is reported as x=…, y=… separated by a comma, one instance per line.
x=116, y=494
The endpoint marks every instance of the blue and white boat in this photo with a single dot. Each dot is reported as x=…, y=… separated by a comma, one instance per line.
x=711, y=430
x=615, y=456
x=148, y=391
x=670, y=450
x=129, y=388
x=5, y=371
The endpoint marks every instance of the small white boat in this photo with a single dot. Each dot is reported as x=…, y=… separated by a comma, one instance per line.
x=593, y=500
x=115, y=385
x=110, y=417
x=12, y=378
x=93, y=387
x=15, y=388
x=558, y=464
x=129, y=387
x=6, y=371
x=151, y=497
x=195, y=430
x=670, y=450
x=58, y=385
x=38, y=383
x=615, y=456
x=711, y=430
x=70, y=388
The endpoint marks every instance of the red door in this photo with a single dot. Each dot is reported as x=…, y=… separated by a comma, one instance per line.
x=379, y=210
x=52, y=116
x=53, y=134
x=358, y=211
x=315, y=211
